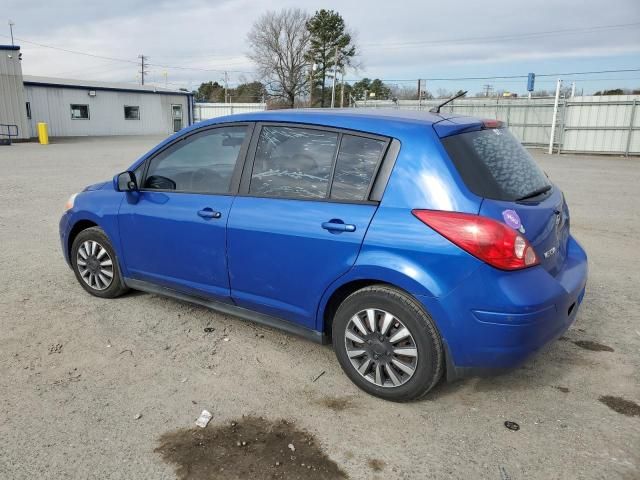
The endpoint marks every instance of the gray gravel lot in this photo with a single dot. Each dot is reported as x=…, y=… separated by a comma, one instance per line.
x=76, y=370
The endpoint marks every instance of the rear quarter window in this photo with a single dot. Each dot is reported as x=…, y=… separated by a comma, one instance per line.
x=357, y=161
x=493, y=164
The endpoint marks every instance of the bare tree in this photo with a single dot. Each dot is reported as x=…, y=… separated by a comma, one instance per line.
x=279, y=43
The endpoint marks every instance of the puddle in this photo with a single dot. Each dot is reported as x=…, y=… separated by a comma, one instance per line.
x=375, y=464
x=620, y=405
x=593, y=346
x=250, y=447
x=337, y=404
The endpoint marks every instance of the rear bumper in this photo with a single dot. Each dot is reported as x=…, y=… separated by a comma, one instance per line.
x=496, y=320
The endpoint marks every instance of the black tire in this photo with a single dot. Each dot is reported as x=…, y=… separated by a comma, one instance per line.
x=116, y=286
x=425, y=338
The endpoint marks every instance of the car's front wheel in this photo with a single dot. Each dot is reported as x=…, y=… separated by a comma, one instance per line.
x=387, y=344
x=95, y=264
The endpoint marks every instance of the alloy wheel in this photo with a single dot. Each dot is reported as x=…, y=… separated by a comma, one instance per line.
x=95, y=265
x=381, y=348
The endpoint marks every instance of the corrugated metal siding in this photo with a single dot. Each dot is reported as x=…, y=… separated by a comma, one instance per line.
x=106, y=111
x=13, y=108
x=591, y=124
x=204, y=111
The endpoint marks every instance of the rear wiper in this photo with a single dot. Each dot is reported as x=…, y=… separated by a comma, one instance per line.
x=535, y=193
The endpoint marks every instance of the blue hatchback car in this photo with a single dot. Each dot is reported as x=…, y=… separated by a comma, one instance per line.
x=419, y=244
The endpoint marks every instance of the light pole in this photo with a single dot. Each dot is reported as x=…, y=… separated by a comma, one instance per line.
x=312, y=72
x=226, y=83
x=342, y=90
x=335, y=74
x=11, y=24
x=555, y=116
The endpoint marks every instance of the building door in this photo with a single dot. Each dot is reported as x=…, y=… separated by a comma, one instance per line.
x=176, y=116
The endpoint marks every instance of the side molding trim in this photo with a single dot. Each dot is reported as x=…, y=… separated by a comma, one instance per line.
x=228, y=309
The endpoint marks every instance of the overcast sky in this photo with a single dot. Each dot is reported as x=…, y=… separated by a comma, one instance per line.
x=401, y=40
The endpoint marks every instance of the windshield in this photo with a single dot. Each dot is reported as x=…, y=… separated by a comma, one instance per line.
x=493, y=164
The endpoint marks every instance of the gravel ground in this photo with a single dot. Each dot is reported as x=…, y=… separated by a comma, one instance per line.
x=76, y=372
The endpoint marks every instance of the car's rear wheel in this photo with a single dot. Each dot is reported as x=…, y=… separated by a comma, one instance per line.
x=95, y=264
x=387, y=344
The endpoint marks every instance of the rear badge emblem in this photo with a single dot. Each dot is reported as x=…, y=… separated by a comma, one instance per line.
x=550, y=252
x=512, y=219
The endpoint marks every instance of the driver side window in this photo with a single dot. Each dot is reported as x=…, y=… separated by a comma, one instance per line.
x=201, y=163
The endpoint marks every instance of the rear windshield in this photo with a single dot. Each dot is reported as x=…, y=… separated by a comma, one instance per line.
x=493, y=164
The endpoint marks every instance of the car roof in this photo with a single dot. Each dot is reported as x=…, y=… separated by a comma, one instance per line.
x=387, y=121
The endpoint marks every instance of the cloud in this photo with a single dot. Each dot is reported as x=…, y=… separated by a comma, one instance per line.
x=205, y=34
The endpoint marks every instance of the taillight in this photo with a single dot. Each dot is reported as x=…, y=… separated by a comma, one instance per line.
x=489, y=240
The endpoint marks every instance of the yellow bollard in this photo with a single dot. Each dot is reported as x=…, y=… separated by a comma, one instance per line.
x=43, y=134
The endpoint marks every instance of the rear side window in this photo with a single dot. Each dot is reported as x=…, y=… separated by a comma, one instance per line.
x=357, y=162
x=293, y=162
x=493, y=164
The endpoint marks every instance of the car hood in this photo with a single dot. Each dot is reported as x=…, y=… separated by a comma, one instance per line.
x=95, y=186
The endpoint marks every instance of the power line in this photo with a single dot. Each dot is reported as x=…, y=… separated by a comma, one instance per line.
x=199, y=69
x=22, y=40
x=103, y=57
x=93, y=70
x=501, y=37
x=566, y=74
x=498, y=77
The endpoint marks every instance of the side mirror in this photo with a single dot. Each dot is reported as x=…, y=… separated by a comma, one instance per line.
x=126, y=182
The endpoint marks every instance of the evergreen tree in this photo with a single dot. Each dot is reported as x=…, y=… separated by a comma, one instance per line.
x=328, y=33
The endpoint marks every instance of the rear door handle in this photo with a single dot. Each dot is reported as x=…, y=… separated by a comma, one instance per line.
x=338, y=226
x=209, y=213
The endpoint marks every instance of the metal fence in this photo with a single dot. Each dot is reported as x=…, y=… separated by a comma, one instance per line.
x=589, y=124
x=204, y=111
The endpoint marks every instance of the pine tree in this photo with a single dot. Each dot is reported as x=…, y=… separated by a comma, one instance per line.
x=328, y=32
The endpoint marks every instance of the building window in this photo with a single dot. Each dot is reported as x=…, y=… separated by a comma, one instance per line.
x=131, y=113
x=28, y=109
x=79, y=112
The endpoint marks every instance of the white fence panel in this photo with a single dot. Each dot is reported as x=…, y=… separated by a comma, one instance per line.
x=205, y=111
x=590, y=124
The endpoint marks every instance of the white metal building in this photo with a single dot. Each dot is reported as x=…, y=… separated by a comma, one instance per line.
x=12, y=104
x=88, y=108
x=77, y=107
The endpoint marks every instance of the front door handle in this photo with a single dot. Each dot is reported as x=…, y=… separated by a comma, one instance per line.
x=209, y=213
x=337, y=226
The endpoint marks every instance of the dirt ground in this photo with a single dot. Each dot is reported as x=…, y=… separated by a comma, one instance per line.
x=110, y=389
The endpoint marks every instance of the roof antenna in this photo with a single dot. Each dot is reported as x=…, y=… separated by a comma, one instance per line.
x=457, y=95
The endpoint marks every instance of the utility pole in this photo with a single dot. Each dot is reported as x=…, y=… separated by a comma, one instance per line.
x=312, y=73
x=143, y=72
x=11, y=24
x=419, y=94
x=487, y=89
x=226, y=82
x=342, y=90
x=335, y=74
